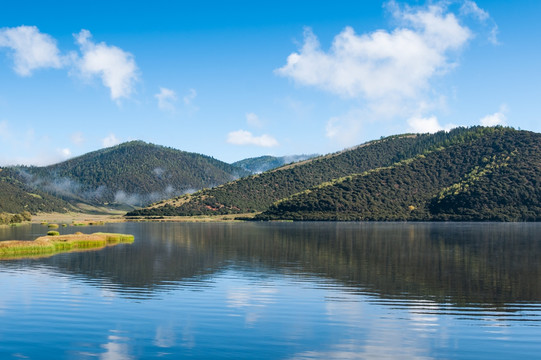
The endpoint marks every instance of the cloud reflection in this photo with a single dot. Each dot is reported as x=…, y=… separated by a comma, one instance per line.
x=165, y=336
x=251, y=299
x=116, y=349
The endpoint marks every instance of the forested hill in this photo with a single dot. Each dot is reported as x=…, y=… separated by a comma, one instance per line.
x=496, y=177
x=258, y=192
x=264, y=163
x=16, y=197
x=134, y=173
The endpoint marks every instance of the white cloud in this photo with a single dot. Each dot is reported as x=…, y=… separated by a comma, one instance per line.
x=243, y=137
x=190, y=97
x=115, y=67
x=253, y=120
x=389, y=72
x=498, y=118
x=31, y=49
x=65, y=153
x=430, y=124
x=381, y=63
x=470, y=7
x=110, y=140
x=166, y=99
x=493, y=36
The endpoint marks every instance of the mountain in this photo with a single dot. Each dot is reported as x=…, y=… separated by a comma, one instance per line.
x=496, y=177
x=258, y=192
x=16, y=197
x=133, y=173
x=264, y=163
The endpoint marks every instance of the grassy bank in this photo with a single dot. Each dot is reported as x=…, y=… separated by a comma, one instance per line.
x=50, y=245
x=194, y=218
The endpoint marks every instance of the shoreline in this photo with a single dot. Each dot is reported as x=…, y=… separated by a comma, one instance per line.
x=50, y=245
x=99, y=219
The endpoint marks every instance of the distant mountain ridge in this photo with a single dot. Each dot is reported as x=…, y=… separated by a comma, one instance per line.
x=478, y=173
x=134, y=173
x=455, y=175
x=261, y=164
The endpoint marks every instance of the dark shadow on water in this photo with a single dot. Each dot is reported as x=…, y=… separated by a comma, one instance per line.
x=466, y=264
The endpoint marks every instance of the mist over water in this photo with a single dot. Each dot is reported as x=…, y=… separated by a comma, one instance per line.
x=280, y=290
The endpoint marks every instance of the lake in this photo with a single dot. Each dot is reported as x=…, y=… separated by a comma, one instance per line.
x=279, y=291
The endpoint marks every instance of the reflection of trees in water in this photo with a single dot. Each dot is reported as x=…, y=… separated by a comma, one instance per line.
x=460, y=263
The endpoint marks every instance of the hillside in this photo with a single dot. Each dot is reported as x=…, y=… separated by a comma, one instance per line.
x=16, y=197
x=264, y=163
x=496, y=177
x=134, y=173
x=258, y=192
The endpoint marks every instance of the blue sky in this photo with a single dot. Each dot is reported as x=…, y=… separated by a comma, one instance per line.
x=241, y=79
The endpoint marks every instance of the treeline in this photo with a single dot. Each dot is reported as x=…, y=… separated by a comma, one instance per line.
x=16, y=197
x=264, y=163
x=257, y=193
x=6, y=218
x=135, y=172
x=495, y=177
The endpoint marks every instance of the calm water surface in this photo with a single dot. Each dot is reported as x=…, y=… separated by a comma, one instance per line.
x=279, y=291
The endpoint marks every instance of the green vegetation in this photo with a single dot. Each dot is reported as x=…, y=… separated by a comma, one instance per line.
x=11, y=219
x=259, y=192
x=53, y=233
x=17, y=197
x=476, y=173
x=55, y=243
x=52, y=226
x=264, y=163
x=133, y=173
x=495, y=177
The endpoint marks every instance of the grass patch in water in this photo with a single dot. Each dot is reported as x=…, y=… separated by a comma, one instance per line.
x=53, y=244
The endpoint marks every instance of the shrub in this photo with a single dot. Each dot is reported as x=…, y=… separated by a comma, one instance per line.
x=27, y=216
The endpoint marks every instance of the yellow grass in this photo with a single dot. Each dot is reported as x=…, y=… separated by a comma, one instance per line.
x=80, y=219
x=195, y=218
x=50, y=245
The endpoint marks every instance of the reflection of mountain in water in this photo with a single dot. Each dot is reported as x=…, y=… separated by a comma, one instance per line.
x=458, y=263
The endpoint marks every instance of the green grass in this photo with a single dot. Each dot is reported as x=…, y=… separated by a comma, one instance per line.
x=53, y=244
